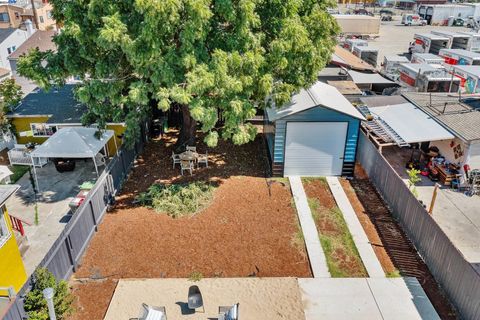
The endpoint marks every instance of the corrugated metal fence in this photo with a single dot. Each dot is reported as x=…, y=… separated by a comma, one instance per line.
x=457, y=276
x=66, y=252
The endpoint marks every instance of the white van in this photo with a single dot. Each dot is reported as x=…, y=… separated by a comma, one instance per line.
x=412, y=19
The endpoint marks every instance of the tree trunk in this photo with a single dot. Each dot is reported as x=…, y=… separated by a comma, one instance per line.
x=188, y=130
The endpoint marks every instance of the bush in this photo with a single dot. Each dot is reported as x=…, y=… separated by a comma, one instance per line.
x=36, y=305
x=177, y=200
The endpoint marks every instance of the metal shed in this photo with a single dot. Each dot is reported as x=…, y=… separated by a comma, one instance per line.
x=314, y=135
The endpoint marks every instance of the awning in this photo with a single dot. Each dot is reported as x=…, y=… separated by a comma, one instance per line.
x=368, y=78
x=74, y=142
x=411, y=123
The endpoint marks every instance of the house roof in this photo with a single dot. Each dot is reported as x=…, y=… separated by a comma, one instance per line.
x=367, y=78
x=378, y=101
x=411, y=123
x=447, y=109
x=59, y=104
x=5, y=33
x=345, y=58
x=319, y=94
x=40, y=39
x=6, y=191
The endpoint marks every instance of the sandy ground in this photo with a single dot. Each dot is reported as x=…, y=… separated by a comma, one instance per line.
x=258, y=298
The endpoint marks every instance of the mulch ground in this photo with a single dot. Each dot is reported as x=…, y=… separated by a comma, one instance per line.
x=247, y=229
x=393, y=248
x=347, y=263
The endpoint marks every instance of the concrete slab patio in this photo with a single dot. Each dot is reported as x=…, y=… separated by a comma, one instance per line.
x=456, y=213
x=368, y=299
x=56, y=191
x=258, y=298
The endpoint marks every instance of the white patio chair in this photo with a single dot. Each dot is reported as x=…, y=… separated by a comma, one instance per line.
x=152, y=313
x=202, y=158
x=191, y=148
x=175, y=159
x=186, y=165
x=228, y=313
x=100, y=159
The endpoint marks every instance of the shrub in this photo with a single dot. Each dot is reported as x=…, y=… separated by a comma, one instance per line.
x=177, y=200
x=36, y=305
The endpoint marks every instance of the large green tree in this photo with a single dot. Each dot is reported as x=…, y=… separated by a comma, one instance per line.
x=203, y=56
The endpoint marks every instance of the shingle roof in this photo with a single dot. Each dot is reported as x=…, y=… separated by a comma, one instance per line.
x=59, y=104
x=5, y=33
x=458, y=117
x=40, y=39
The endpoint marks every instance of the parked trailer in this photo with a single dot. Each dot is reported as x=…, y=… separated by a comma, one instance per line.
x=391, y=65
x=469, y=77
x=427, y=78
x=460, y=57
x=474, y=41
x=428, y=43
x=358, y=25
x=349, y=44
x=428, y=58
x=455, y=40
x=367, y=54
x=440, y=14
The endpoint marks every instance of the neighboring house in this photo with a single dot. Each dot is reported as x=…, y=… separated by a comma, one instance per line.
x=14, y=15
x=41, y=114
x=41, y=40
x=10, y=40
x=315, y=134
x=12, y=271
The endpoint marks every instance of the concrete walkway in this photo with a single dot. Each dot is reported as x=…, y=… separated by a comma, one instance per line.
x=318, y=262
x=370, y=260
x=365, y=299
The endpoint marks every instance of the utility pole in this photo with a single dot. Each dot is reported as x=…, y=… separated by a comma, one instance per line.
x=35, y=16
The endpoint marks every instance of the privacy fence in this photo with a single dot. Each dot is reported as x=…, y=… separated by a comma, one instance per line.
x=64, y=255
x=457, y=276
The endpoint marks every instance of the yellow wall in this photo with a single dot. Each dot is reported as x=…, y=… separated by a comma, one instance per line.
x=23, y=124
x=12, y=271
x=118, y=129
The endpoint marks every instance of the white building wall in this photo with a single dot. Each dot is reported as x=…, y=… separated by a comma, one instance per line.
x=15, y=39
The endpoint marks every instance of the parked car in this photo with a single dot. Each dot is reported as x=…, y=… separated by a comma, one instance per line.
x=386, y=11
x=458, y=22
x=363, y=12
x=386, y=17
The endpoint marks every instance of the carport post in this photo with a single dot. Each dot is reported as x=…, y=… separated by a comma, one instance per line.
x=96, y=168
x=35, y=175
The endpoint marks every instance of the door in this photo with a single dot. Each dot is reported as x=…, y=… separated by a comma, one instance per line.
x=315, y=148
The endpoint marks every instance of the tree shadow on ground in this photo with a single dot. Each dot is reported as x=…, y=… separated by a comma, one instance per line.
x=225, y=160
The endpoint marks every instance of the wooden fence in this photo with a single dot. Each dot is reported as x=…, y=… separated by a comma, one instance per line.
x=457, y=276
x=65, y=254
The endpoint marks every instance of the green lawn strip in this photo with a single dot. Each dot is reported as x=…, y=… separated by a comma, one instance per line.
x=342, y=256
x=18, y=172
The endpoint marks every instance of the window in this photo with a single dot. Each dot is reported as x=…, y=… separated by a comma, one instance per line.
x=49, y=14
x=41, y=19
x=17, y=15
x=4, y=232
x=9, y=50
x=4, y=17
x=43, y=130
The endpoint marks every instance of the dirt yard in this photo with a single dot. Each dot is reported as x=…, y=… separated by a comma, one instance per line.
x=394, y=250
x=246, y=231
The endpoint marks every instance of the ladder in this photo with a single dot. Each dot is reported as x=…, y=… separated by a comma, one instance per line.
x=382, y=129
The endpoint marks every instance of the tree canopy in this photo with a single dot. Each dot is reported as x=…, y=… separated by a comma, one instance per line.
x=203, y=55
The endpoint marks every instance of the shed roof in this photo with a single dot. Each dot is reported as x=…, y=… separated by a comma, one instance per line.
x=347, y=59
x=5, y=33
x=345, y=87
x=58, y=104
x=40, y=39
x=447, y=109
x=367, y=78
x=319, y=94
x=6, y=191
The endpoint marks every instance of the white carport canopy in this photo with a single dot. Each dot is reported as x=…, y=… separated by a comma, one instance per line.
x=411, y=123
x=73, y=143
